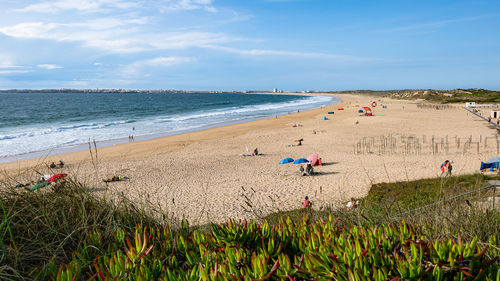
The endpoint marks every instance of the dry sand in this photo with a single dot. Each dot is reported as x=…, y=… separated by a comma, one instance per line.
x=202, y=176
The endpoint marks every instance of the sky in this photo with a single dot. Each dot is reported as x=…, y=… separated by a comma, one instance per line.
x=292, y=45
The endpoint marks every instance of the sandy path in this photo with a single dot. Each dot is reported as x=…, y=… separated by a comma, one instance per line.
x=203, y=177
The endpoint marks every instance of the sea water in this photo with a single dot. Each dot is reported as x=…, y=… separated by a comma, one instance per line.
x=38, y=124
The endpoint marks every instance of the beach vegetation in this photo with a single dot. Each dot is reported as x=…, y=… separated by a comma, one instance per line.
x=67, y=233
x=447, y=96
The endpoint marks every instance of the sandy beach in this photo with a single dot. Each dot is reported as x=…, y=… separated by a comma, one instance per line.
x=204, y=176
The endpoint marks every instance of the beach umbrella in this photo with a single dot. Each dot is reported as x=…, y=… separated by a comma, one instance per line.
x=286, y=160
x=56, y=177
x=360, y=111
x=300, y=161
x=313, y=158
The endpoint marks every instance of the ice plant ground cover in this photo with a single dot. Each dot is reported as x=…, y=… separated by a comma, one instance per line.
x=289, y=250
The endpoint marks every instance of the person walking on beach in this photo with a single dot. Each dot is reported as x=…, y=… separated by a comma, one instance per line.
x=446, y=168
x=443, y=167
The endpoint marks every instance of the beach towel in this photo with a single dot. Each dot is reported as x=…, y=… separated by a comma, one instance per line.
x=38, y=185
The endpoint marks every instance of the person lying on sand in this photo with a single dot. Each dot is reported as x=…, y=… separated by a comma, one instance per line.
x=297, y=125
x=20, y=185
x=115, y=178
x=299, y=141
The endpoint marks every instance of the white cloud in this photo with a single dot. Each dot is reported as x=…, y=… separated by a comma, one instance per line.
x=79, y=5
x=431, y=25
x=135, y=67
x=164, y=61
x=94, y=6
x=120, y=36
x=9, y=65
x=177, y=5
x=49, y=66
x=259, y=52
x=13, y=71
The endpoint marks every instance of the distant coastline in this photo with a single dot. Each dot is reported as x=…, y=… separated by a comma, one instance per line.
x=123, y=91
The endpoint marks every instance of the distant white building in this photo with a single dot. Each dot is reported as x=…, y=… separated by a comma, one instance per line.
x=470, y=104
x=275, y=90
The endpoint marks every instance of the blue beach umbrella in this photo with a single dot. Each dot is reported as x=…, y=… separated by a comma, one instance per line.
x=286, y=160
x=300, y=161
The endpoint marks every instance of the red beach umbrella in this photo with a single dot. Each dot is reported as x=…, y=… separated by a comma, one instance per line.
x=56, y=177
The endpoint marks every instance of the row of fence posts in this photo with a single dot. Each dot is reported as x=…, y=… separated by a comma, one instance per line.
x=437, y=106
x=397, y=144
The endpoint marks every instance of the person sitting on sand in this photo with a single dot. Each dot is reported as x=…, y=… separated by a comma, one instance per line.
x=52, y=165
x=302, y=172
x=255, y=152
x=309, y=169
x=299, y=141
x=306, y=203
x=61, y=164
x=353, y=204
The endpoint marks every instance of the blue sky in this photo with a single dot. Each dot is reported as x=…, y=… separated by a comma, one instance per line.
x=249, y=44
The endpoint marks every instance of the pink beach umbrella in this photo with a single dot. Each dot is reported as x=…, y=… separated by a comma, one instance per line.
x=313, y=159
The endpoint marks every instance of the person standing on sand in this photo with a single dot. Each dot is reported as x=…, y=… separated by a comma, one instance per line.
x=306, y=203
x=449, y=167
x=444, y=166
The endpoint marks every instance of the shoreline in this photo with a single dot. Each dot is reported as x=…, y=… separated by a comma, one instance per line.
x=26, y=160
x=137, y=138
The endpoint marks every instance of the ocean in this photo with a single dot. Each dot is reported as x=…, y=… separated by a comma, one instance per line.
x=39, y=124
